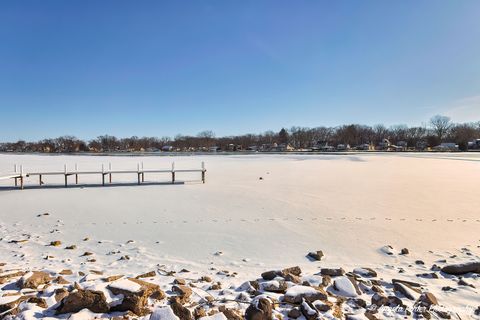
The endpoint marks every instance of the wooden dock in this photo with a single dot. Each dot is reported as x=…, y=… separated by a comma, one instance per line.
x=19, y=175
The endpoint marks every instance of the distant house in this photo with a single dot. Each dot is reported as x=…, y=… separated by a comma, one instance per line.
x=421, y=145
x=234, y=147
x=384, y=144
x=400, y=146
x=214, y=149
x=475, y=144
x=343, y=147
x=167, y=148
x=365, y=147
x=323, y=146
x=446, y=146
x=252, y=148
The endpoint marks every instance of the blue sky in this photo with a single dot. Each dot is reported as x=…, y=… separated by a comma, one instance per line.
x=157, y=68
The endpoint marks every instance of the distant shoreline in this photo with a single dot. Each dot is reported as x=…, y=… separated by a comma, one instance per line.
x=229, y=153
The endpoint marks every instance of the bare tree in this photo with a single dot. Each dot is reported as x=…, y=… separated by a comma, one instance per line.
x=440, y=125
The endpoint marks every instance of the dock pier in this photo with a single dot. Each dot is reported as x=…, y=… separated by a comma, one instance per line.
x=19, y=175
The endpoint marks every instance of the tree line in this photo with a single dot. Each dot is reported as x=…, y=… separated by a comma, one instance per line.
x=440, y=129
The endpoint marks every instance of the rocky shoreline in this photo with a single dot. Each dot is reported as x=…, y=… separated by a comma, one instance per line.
x=329, y=293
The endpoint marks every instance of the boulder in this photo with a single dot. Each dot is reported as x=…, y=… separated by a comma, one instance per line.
x=9, y=304
x=294, y=313
x=259, y=309
x=387, y=250
x=270, y=275
x=332, y=272
x=379, y=299
x=7, y=276
x=344, y=286
x=308, y=310
x=408, y=291
x=315, y=255
x=135, y=295
x=409, y=283
x=230, y=313
x=365, y=272
x=60, y=293
x=94, y=301
x=293, y=278
x=180, y=311
x=40, y=302
x=427, y=299
x=199, y=312
x=296, y=294
x=33, y=280
x=277, y=286
x=147, y=275
x=163, y=313
x=66, y=272
x=292, y=270
x=183, y=292
x=462, y=268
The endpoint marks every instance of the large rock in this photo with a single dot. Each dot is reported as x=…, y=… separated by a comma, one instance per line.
x=135, y=295
x=9, y=275
x=94, y=301
x=315, y=255
x=33, y=280
x=295, y=294
x=346, y=287
x=308, y=310
x=272, y=274
x=462, y=268
x=163, y=313
x=332, y=272
x=180, y=311
x=259, y=309
x=230, y=313
x=183, y=293
x=9, y=305
x=365, y=272
x=408, y=291
x=427, y=299
x=60, y=293
x=292, y=270
x=379, y=299
x=277, y=286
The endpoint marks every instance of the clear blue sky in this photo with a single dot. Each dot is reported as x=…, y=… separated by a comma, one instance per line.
x=157, y=68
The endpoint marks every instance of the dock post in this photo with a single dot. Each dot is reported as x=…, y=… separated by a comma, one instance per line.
x=21, y=177
x=203, y=172
x=143, y=174
x=110, y=172
x=76, y=174
x=173, y=172
x=103, y=175
x=65, y=173
x=39, y=179
x=138, y=173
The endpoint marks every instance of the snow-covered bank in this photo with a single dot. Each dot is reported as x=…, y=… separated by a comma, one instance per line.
x=347, y=206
